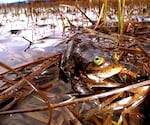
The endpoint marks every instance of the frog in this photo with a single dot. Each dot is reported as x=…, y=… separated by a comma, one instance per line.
x=91, y=66
x=86, y=63
x=89, y=63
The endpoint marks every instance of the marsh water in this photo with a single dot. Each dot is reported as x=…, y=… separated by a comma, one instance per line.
x=30, y=31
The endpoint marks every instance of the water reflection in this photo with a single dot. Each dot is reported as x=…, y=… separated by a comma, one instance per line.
x=12, y=1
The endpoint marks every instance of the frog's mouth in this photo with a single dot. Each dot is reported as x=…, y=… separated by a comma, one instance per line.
x=98, y=74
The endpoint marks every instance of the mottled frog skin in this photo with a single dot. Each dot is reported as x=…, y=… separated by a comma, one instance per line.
x=90, y=63
x=78, y=64
x=84, y=55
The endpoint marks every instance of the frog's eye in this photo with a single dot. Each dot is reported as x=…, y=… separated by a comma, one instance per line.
x=98, y=60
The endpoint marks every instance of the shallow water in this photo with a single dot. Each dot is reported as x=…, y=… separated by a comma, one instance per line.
x=12, y=1
x=17, y=33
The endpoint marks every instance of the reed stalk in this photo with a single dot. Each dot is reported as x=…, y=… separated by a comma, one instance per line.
x=121, y=6
x=105, y=15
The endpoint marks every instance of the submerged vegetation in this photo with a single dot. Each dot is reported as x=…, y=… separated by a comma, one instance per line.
x=100, y=77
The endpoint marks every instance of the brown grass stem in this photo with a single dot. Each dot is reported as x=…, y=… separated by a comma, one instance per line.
x=84, y=99
x=33, y=86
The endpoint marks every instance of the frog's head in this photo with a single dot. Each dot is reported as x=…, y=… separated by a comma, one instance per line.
x=87, y=54
x=96, y=64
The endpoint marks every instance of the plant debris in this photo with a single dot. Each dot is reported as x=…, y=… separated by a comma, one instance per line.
x=101, y=78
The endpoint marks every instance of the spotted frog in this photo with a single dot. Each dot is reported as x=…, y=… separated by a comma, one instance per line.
x=88, y=63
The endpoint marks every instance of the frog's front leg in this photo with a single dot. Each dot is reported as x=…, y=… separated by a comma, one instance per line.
x=67, y=64
x=69, y=71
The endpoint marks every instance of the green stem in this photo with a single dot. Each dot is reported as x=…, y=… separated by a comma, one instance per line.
x=121, y=6
x=122, y=13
